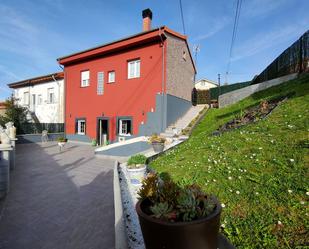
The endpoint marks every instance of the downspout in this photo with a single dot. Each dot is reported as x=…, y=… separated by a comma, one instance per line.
x=59, y=99
x=162, y=85
x=64, y=99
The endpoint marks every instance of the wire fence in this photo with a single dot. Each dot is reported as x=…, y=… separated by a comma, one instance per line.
x=294, y=59
x=37, y=128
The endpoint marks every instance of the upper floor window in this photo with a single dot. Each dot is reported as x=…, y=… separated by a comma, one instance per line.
x=26, y=98
x=111, y=77
x=100, y=86
x=40, y=100
x=134, y=69
x=50, y=96
x=85, y=78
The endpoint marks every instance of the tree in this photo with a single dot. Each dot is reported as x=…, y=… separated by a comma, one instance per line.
x=15, y=113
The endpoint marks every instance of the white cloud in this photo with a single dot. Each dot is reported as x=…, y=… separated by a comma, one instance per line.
x=256, y=8
x=215, y=27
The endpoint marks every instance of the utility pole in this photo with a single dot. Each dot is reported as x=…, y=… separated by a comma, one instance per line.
x=219, y=83
x=196, y=49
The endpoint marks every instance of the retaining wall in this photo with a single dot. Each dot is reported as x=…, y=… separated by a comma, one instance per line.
x=237, y=95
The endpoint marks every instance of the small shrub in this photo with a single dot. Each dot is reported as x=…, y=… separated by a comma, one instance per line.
x=62, y=139
x=137, y=161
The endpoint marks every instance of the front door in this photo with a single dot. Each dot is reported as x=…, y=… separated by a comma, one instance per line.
x=102, y=131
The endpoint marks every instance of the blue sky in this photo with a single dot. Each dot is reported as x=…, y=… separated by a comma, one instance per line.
x=33, y=33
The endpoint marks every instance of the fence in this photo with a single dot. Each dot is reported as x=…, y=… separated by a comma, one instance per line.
x=294, y=59
x=37, y=128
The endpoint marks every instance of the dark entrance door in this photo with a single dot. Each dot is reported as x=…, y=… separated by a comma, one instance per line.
x=102, y=130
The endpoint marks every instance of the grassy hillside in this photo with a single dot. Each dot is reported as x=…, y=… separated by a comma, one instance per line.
x=259, y=172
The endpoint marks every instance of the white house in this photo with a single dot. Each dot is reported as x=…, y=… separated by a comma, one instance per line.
x=43, y=96
x=205, y=84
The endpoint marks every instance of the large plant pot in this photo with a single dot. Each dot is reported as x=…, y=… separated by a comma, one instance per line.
x=157, y=147
x=137, y=175
x=198, y=234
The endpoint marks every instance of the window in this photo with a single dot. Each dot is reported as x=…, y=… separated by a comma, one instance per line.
x=26, y=98
x=85, y=79
x=100, y=86
x=184, y=55
x=111, y=77
x=125, y=127
x=50, y=96
x=40, y=100
x=81, y=126
x=134, y=69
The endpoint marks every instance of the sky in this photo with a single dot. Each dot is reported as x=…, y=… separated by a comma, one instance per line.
x=34, y=33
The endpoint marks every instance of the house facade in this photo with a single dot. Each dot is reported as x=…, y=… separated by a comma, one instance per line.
x=43, y=96
x=131, y=87
x=205, y=84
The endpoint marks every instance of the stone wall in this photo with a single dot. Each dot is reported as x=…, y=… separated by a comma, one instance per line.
x=180, y=71
x=237, y=95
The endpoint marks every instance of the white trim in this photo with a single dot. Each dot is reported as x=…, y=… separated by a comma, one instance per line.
x=134, y=69
x=79, y=128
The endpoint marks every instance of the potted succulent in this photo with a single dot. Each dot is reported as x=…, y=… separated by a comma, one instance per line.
x=61, y=142
x=175, y=216
x=136, y=168
x=157, y=142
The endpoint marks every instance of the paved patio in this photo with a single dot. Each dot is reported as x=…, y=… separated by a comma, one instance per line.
x=58, y=200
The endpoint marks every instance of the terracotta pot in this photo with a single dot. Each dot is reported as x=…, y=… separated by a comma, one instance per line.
x=157, y=147
x=197, y=234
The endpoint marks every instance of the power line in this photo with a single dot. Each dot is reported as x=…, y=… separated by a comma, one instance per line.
x=182, y=19
x=234, y=34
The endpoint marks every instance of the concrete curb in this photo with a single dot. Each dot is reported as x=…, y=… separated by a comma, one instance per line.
x=120, y=231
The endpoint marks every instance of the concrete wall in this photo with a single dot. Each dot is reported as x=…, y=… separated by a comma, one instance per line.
x=237, y=95
x=156, y=119
x=45, y=112
x=79, y=138
x=37, y=138
x=176, y=107
x=179, y=70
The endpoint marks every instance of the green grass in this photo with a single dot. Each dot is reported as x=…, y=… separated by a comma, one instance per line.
x=263, y=161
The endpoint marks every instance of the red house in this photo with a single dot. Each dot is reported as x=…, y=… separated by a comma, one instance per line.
x=134, y=86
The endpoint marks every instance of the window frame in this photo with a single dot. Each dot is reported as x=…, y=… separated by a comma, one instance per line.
x=40, y=99
x=98, y=86
x=81, y=78
x=53, y=94
x=77, y=128
x=26, y=98
x=129, y=62
x=109, y=78
x=120, y=118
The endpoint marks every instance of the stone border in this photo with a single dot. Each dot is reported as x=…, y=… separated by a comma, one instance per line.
x=120, y=231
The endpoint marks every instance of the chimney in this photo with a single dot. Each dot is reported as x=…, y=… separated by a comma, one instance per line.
x=147, y=17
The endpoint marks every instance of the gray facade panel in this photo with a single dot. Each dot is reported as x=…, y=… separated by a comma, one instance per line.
x=37, y=138
x=176, y=108
x=79, y=138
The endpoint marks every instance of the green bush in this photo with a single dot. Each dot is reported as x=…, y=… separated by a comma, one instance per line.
x=137, y=159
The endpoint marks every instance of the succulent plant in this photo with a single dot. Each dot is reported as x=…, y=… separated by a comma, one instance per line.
x=155, y=138
x=171, y=201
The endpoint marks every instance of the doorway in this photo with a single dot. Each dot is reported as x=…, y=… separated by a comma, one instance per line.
x=102, y=131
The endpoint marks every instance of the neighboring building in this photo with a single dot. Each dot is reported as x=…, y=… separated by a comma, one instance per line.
x=2, y=108
x=43, y=96
x=134, y=86
x=205, y=84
